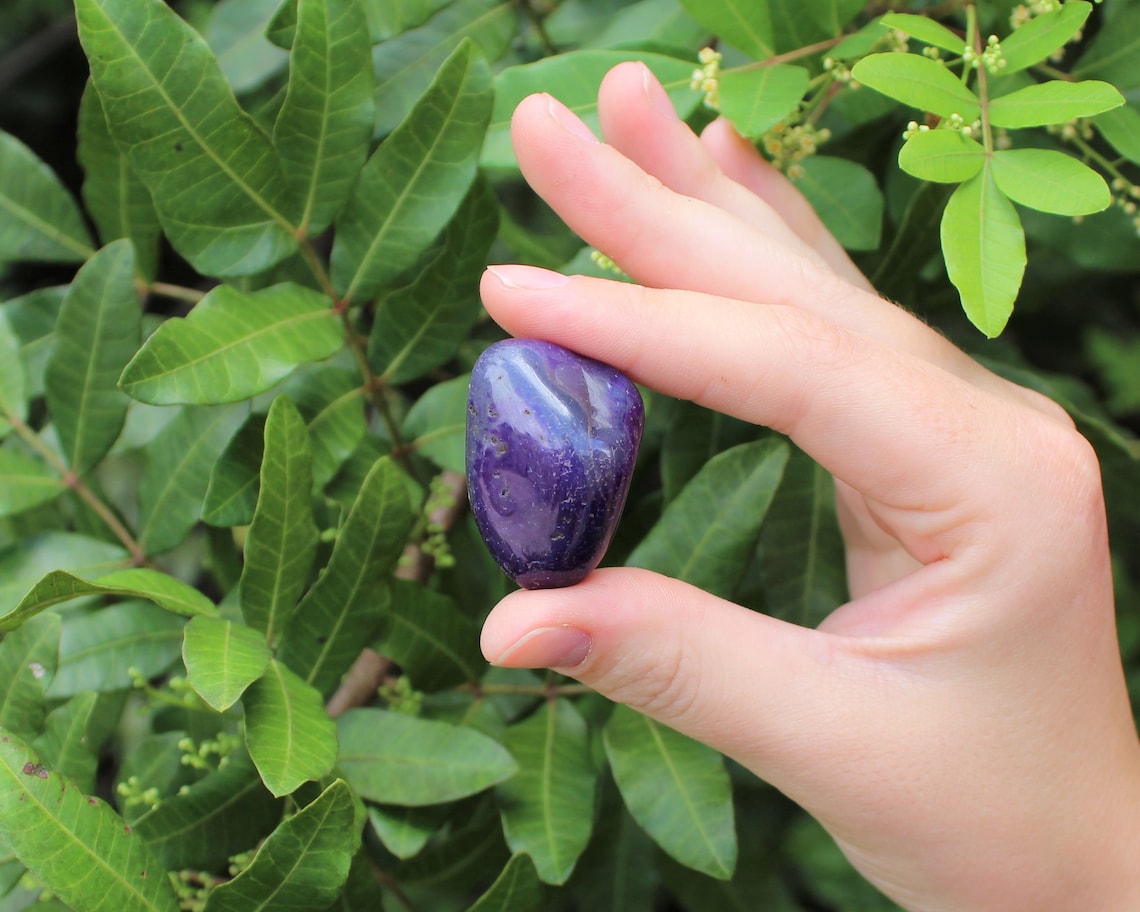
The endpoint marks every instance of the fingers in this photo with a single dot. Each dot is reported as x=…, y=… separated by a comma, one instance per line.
x=896, y=428
x=639, y=121
x=674, y=653
x=668, y=240
x=739, y=160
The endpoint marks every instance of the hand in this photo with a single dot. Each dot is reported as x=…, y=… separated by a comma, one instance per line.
x=961, y=726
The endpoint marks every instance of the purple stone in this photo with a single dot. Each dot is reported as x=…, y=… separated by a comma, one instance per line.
x=551, y=442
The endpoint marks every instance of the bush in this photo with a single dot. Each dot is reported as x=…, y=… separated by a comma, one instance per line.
x=239, y=591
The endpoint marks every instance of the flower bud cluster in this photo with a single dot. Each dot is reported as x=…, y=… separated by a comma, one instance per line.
x=954, y=122
x=1126, y=196
x=200, y=756
x=133, y=794
x=838, y=69
x=707, y=77
x=787, y=146
x=991, y=58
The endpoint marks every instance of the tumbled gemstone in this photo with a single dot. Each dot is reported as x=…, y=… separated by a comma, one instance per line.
x=552, y=438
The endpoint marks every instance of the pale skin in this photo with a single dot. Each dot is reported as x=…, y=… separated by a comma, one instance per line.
x=961, y=726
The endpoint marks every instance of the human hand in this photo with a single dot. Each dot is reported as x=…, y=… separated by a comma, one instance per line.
x=961, y=726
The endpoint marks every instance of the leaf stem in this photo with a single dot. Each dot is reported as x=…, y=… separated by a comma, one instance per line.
x=788, y=56
x=175, y=292
x=75, y=483
x=974, y=36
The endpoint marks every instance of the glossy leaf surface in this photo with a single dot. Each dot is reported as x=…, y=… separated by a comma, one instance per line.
x=401, y=760
x=282, y=540
x=984, y=247
x=214, y=176
x=303, y=863
x=232, y=346
x=97, y=332
x=919, y=82
x=413, y=184
x=289, y=735
x=677, y=789
x=222, y=659
x=707, y=534
x=77, y=846
x=1050, y=181
x=40, y=219
x=323, y=129
x=60, y=586
x=346, y=605
x=547, y=806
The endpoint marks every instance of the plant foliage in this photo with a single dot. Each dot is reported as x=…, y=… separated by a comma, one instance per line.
x=240, y=242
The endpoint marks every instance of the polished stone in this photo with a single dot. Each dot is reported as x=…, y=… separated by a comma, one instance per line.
x=552, y=438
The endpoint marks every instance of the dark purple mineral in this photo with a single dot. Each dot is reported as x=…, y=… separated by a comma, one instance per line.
x=551, y=442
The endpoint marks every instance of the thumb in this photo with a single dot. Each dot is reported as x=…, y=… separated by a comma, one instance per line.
x=742, y=682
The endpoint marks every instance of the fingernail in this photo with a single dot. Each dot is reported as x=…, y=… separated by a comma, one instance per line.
x=656, y=94
x=547, y=647
x=513, y=276
x=568, y=120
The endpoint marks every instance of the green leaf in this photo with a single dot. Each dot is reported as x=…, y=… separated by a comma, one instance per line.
x=405, y=65
x=834, y=15
x=1121, y=129
x=302, y=865
x=13, y=385
x=214, y=176
x=943, y=156
x=706, y=536
x=98, y=331
x=324, y=128
x=1111, y=55
x=802, y=550
x=744, y=25
x=925, y=30
x=233, y=346
x=235, y=31
x=39, y=219
x=677, y=789
x=846, y=197
x=756, y=100
x=222, y=659
x=619, y=870
x=548, y=805
x=413, y=184
x=25, y=483
x=22, y=566
x=283, y=537
x=419, y=327
x=406, y=830
x=173, y=485
x=1053, y=102
x=919, y=82
x=984, y=247
x=574, y=78
x=402, y=760
x=1035, y=40
x=231, y=494
x=201, y=826
x=119, y=203
x=290, y=737
x=345, y=606
x=76, y=846
x=31, y=318
x=332, y=401
x=516, y=889
x=98, y=651
x=60, y=586
x=437, y=424
x=1050, y=181
x=432, y=641
x=65, y=746
x=28, y=660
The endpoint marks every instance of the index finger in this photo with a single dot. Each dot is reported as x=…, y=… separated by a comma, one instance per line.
x=932, y=451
